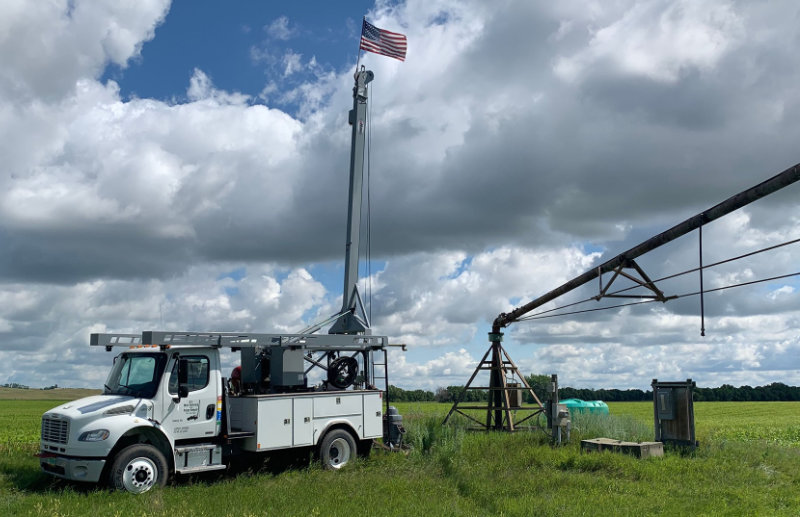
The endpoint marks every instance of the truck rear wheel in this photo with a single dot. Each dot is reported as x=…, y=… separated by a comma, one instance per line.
x=337, y=449
x=364, y=448
x=138, y=468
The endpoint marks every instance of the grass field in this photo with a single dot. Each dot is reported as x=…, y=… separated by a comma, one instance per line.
x=748, y=464
x=54, y=394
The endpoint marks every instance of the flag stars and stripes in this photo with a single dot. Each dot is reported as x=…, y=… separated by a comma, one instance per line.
x=383, y=42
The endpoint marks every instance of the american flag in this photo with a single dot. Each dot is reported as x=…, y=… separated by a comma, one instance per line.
x=383, y=42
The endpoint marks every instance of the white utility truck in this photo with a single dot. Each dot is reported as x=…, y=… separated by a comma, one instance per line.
x=167, y=408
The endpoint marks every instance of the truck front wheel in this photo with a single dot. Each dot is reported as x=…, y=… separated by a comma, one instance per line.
x=337, y=449
x=138, y=468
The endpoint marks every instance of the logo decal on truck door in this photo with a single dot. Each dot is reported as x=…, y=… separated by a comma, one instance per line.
x=191, y=408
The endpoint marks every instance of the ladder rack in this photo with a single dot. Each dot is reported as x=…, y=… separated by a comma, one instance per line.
x=236, y=340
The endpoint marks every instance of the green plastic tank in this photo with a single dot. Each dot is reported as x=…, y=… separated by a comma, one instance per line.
x=594, y=407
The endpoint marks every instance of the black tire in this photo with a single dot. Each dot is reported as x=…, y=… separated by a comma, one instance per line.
x=337, y=449
x=342, y=372
x=138, y=468
x=365, y=448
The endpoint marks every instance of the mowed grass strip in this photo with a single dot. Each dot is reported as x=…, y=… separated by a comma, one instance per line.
x=452, y=471
x=54, y=394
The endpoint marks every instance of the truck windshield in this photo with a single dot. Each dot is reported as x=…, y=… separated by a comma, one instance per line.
x=136, y=375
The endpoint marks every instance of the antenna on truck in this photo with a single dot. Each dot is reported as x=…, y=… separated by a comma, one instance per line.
x=353, y=318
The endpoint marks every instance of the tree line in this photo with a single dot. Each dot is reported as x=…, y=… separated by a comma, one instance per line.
x=15, y=386
x=777, y=391
x=23, y=387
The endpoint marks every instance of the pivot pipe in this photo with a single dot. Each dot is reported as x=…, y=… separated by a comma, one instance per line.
x=773, y=184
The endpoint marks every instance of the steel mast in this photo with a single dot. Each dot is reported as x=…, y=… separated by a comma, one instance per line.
x=353, y=318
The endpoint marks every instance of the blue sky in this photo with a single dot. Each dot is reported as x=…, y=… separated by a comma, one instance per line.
x=222, y=39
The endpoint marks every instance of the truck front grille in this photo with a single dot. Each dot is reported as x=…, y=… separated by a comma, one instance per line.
x=55, y=430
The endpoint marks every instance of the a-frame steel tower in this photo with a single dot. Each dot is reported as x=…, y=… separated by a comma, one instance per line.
x=506, y=388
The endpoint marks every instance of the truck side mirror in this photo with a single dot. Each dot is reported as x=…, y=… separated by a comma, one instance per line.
x=183, y=378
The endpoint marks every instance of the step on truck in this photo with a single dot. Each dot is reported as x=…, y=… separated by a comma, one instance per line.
x=167, y=408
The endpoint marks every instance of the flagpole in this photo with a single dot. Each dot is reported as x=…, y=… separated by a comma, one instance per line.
x=358, y=58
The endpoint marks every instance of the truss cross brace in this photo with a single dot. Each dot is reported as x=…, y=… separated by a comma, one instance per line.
x=643, y=280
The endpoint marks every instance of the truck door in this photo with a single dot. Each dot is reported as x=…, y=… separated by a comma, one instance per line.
x=195, y=415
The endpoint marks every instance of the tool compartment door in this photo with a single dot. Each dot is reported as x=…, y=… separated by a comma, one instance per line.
x=303, y=424
x=373, y=415
x=337, y=405
x=274, y=423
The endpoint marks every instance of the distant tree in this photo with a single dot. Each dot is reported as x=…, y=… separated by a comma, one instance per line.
x=540, y=385
x=395, y=394
x=442, y=395
x=16, y=386
x=639, y=394
x=462, y=395
x=400, y=395
x=725, y=393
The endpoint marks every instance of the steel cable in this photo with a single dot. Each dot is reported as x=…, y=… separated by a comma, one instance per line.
x=541, y=314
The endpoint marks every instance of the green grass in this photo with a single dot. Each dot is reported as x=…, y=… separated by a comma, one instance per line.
x=20, y=422
x=748, y=464
x=739, y=422
x=54, y=394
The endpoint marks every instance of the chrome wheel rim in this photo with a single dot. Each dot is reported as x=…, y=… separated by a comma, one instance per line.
x=339, y=453
x=140, y=475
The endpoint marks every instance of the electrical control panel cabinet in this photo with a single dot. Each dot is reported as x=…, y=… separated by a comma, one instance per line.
x=673, y=412
x=287, y=367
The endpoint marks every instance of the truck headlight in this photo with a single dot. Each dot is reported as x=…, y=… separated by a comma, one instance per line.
x=97, y=435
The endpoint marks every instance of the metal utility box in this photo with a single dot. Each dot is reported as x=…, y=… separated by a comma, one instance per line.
x=287, y=367
x=272, y=368
x=562, y=416
x=665, y=405
x=514, y=394
x=252, y=372
x=673, y=412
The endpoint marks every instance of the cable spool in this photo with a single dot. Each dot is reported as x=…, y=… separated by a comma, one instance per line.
x=342, y=372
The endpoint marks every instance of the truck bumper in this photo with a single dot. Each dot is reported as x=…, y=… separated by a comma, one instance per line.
x=75, y=469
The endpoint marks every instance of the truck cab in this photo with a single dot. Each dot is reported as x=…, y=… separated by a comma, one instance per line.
x=140, y=405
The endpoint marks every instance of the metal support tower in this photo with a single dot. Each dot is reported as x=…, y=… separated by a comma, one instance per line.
x=505, y=398
x=353, y=318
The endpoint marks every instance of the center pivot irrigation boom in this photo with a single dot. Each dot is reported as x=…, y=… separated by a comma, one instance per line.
x=500, y=408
